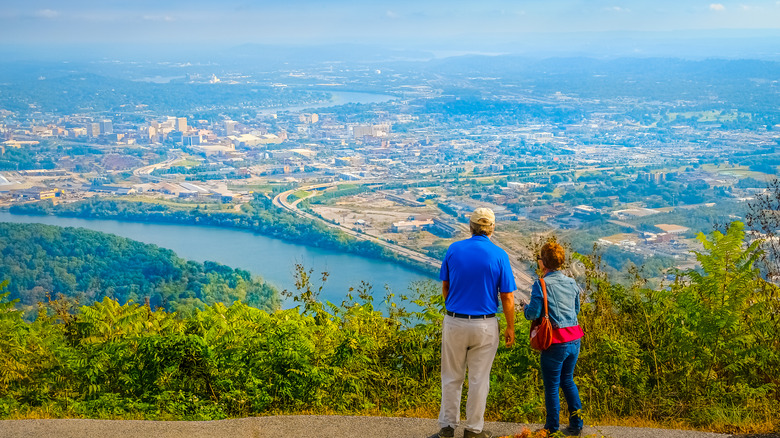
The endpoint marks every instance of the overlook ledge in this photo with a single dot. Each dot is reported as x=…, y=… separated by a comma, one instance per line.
x=292, y=426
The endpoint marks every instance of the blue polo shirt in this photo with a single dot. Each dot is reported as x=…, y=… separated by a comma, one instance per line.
x=477, y=270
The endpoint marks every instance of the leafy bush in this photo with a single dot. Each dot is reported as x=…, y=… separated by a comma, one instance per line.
x=703, y=351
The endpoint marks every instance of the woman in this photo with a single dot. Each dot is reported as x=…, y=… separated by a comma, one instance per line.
x=559, y=360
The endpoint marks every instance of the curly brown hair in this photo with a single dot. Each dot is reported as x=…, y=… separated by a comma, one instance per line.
x=552, y=255
x=480, y=229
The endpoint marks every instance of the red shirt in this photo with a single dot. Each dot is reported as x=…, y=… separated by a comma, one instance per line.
x=566, y=334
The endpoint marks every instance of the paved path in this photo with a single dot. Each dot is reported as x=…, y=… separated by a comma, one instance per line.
x=288, y=426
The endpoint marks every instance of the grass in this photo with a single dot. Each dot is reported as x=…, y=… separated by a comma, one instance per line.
x=300, y=194
x=707, y=116
x=187, y=162
x=726, y=169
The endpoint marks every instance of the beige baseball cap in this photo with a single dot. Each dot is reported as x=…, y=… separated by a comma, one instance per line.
x=483, y=216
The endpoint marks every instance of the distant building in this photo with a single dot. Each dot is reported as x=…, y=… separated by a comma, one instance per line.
x=78, y=132
x=656, y=177
x=106, y=127
x=93, y=129
x=114, y=137
x=147, y=133
x=191, y=140
x=116, y=190
x=309, y=118
x=39, y=193
x=245, y=140
x=413, y=225
x=181, y=124
x=442, y=229
x=230, y=127
x=175, y=136
x=360, y=131
x=586, y=212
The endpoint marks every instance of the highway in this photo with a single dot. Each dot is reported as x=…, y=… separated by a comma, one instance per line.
x=522, y=277
x=146, y=171
x=281, y=201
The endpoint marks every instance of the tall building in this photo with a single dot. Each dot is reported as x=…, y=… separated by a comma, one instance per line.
x=230, y=127
x=181, y=124
x=93, y=129
x=106, y=127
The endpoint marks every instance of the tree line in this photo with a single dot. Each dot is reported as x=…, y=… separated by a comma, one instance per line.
x=43, y=262
x=259, y=215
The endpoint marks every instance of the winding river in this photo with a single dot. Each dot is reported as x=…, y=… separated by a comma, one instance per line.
x=272, y=259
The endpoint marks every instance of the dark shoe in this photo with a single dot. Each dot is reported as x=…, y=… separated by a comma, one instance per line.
x=444, y=432
x=469, y=434
x=571, y=431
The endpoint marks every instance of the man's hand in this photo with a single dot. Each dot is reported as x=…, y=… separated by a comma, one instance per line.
x=509, y=336
x=508, y=303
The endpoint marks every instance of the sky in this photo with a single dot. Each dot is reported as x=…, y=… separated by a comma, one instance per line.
x=489, y=23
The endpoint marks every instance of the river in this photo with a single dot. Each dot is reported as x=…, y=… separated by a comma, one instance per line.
x=272, y=259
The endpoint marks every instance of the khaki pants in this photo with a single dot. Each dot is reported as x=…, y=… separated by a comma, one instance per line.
x=472, y=344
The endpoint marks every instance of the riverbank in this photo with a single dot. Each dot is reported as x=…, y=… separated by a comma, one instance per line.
x=262, y=217
x=272, y=259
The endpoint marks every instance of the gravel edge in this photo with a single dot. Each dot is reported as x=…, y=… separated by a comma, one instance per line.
x=291, y=426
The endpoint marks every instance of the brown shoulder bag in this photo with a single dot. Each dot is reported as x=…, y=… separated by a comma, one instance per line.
x=541, y=329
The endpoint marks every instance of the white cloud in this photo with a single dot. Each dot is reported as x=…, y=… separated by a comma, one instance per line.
x=717, y=7
x=47, y=13
x=393, y=15
x=617, y=9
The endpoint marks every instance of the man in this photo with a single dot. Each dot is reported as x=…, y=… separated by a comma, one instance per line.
x=475, y=272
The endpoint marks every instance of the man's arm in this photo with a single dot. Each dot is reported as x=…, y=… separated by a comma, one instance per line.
x=508, y=303
x=445, y=289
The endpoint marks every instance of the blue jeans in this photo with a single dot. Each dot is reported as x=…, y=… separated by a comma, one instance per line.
x=558, y=364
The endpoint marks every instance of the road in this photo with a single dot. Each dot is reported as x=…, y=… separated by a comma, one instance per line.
x=522, y=277
x=146, y=171
x=280, y=200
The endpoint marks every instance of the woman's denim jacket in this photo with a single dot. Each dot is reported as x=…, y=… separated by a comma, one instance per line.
x=563, y=300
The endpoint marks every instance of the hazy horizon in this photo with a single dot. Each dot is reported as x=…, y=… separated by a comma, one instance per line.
x=41, y=29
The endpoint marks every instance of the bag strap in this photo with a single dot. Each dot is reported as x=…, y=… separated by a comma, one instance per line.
x=544, y=290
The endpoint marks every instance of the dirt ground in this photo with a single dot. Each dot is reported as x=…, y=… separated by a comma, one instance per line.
x=375, y=215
